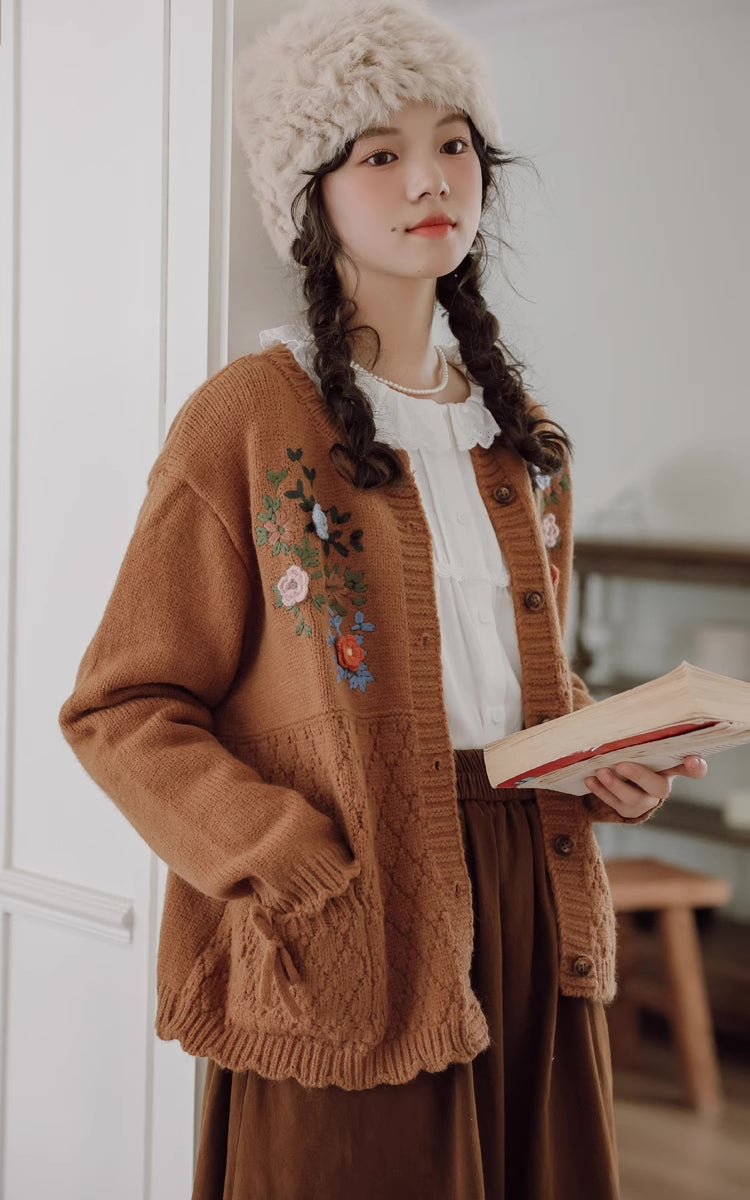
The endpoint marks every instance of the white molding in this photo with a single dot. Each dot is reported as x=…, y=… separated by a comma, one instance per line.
x=86, y=909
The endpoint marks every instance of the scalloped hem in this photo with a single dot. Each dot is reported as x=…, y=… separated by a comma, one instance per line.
x=314, y=1063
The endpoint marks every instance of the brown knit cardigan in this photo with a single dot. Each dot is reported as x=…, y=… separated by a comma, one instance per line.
x=263, y=701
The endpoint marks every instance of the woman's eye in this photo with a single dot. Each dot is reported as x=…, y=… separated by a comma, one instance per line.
x=463, y=141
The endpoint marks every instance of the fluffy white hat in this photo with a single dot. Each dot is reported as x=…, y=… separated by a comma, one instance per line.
x=326, y=71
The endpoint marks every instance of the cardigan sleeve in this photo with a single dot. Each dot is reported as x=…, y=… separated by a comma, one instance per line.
x=555, y=503
x=140, y=717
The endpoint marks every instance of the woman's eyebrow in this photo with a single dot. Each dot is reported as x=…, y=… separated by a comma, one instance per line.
x=387, y=130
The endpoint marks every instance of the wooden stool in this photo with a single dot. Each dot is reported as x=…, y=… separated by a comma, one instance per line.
x=680, y=994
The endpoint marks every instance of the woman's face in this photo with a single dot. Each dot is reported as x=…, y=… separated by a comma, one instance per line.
x=391, y=181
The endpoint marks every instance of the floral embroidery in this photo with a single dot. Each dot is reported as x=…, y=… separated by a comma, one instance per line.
x=348, y=652
x=549, y=491
x=342, y=586
x=293, y=585
x=550, y=530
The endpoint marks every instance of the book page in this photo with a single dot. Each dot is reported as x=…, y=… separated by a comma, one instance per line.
x=658, y=756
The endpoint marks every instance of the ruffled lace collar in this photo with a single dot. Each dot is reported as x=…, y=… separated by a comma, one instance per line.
x=404, y=422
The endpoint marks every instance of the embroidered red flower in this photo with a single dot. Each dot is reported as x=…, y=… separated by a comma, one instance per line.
x=348, y=652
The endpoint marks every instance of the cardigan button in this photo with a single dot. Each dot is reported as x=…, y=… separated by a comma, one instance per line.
x=504, y=494
x=534, y=599
x=582, y=965
x=563, y=845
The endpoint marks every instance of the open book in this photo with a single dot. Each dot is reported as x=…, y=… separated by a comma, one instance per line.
x=686, y=711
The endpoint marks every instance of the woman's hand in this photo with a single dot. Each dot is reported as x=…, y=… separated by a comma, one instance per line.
x=632, y=789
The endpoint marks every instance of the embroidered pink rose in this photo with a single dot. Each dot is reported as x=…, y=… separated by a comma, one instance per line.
x=293, y=585
x=550, y=530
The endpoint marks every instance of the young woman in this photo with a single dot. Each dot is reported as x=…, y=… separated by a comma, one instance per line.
x=349, y=574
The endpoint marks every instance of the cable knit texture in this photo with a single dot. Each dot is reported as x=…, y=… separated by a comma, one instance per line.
x=318, y=917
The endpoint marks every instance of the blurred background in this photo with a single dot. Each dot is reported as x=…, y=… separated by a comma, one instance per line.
x=135, y=266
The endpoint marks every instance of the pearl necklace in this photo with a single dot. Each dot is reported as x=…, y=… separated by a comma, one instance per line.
x=412, y=391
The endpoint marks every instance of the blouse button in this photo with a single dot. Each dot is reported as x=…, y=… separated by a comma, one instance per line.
x=504, y=494
x=534, y=599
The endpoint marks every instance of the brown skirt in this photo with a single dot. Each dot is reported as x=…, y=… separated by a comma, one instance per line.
x=530, y=1118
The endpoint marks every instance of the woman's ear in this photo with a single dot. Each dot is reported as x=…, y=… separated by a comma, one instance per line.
x=555, y=572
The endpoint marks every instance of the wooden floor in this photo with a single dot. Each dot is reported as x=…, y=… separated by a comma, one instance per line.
x=667, y=1151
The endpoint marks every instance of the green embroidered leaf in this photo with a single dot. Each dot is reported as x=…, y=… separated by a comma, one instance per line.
x=310, y=473
x=284, y=546
x=297, y=492
x=308, y=554
x=295, y=610
x=565, y=482
x=315, y=574
x=319, y=601
x=275, y=477
x=276, y=549
x=265, y=516
x=337, y=517
x=262, y=537
x=300, y=626
x=307, y=631
x=337, y=607
x=295, y=455
x=277, y=597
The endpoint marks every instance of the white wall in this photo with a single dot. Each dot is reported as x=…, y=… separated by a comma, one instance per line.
x=634, y=250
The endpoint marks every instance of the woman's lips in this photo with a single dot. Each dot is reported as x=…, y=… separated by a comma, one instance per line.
x=432, y=231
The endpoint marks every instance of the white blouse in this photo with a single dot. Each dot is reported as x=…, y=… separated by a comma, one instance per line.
x=481, y=664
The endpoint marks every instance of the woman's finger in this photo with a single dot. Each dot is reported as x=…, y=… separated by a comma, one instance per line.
x=694, y=767
x=635, y=804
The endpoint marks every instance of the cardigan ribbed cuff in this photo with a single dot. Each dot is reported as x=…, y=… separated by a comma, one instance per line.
x=327, y=873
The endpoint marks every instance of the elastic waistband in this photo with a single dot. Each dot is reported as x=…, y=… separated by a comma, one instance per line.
x=473, y=783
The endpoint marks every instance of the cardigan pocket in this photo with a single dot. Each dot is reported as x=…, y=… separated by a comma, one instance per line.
x=311, y=972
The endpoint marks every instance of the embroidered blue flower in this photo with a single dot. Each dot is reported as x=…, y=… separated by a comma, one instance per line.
x=320, y=521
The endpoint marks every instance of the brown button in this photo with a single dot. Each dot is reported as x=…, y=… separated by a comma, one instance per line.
x=582, y=965
x=563, y=845
x=504, y=494
x=534, y=599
